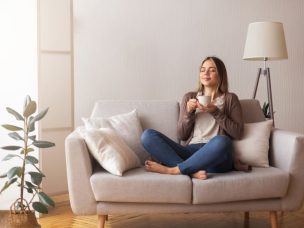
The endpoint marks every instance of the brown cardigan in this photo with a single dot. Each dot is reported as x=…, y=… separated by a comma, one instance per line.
x=230, y=119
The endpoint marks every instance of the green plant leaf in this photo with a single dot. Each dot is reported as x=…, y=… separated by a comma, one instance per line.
x=15, y=171
x=14, y=113
x=8, y=183
x=10, y=156
x=5, y=186
x=27, y=151
x=30, y=109
x=11, y=181
x=15, y=136
x=11, y=147
x=31, y=160
x=40, y=115
x=11, y=127
x=36, y=173
x=45, y=199
x=33, y=137
x=39, y=170
x=36, y=177
x=43, y=144
x=30, y=185
x=31, y=125
x=40, y=207
x=26, y=102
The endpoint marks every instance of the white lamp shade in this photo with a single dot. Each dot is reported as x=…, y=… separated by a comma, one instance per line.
x=265, y=40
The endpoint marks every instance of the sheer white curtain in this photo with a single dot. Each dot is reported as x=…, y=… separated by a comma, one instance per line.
x=18, y=72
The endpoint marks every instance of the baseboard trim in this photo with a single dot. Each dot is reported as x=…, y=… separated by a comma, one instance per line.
x=61, y=198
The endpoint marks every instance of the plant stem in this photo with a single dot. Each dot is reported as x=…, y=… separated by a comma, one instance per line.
x=37, y=169
x=23, y=165
x=33, y=196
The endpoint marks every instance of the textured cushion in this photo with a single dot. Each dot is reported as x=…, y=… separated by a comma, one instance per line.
x=253, y=148
x=111, y=152
x=261, y=183
x=138, y=185
x=252, y=111
x=127, y=126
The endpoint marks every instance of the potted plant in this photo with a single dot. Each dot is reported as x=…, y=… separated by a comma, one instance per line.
x=26, y=179
x=266, y=110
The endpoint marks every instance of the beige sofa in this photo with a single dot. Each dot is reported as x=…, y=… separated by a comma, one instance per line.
x=94, y=191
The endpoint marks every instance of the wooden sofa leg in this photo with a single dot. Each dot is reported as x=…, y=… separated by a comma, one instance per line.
x=102, y=220
x=246, y=219
x=246, y=215
x=274, y=219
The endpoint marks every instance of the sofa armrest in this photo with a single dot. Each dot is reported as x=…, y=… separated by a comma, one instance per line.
x=287, y=153
x=79, y=171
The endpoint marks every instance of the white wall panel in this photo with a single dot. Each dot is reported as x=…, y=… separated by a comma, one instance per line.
x=55, y=25
x=55, y=90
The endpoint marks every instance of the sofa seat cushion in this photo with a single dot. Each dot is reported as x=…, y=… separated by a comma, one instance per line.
x=139, y=186
x=261, y=183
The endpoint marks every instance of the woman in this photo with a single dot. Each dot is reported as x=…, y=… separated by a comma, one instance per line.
x=208, y=130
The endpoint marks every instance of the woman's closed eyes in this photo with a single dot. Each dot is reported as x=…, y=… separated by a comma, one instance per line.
x=208, y=70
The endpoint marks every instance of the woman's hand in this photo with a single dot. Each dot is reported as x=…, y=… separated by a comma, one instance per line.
x=191, y=105
x=208, y=108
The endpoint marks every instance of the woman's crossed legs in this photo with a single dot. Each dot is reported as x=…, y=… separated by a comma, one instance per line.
x=194, y=159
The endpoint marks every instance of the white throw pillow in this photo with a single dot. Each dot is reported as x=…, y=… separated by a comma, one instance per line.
x=253, y=148
x=126, y=125
x=111, y=152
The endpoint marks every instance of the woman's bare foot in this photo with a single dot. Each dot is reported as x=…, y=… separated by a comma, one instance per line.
x=202, y=175
x=153, y=166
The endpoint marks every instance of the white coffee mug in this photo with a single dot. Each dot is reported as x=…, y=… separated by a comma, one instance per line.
x=204, y=100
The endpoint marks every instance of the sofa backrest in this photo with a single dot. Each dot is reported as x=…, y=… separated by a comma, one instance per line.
x=163, y=115
x=159, y=115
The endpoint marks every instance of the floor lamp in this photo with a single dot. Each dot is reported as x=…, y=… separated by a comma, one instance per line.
x=265, y=41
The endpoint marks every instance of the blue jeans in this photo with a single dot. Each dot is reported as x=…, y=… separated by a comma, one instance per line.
x=213, y=157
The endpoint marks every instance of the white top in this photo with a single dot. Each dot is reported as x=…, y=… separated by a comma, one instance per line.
x=205, y=126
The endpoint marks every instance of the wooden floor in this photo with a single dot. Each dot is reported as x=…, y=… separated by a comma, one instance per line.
x=62, y=217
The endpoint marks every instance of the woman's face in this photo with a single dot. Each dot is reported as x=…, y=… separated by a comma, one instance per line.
x=208, y=74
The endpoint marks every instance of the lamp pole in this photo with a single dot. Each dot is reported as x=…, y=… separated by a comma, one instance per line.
x=266, y=73
x=269, y=92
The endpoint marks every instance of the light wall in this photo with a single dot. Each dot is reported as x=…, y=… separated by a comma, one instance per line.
x=151, y=49
x=144, y=49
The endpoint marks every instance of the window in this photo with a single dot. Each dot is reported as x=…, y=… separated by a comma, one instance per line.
x=18, y=71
